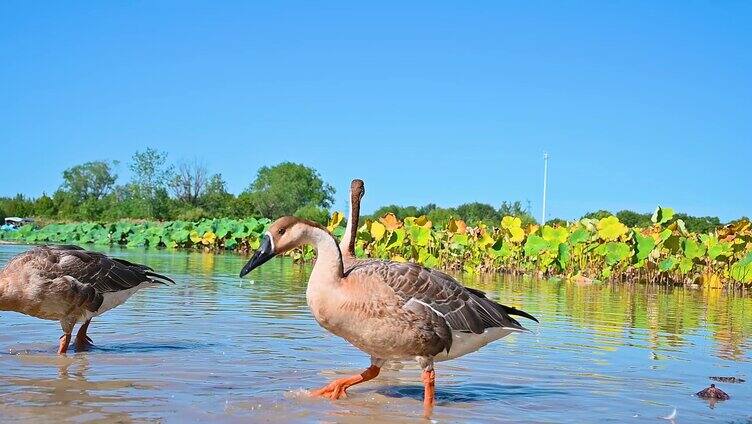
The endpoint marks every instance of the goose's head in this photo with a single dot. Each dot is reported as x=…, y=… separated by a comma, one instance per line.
x=357, y=189
x=284, y=234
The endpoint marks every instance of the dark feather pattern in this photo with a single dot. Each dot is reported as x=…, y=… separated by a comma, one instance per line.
x=97, y=272
x=508, y=309
x=463, y=309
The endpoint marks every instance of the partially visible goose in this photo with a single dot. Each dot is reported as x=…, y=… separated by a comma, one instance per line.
x=389, y=310
x=347, y=244
x=70, y=284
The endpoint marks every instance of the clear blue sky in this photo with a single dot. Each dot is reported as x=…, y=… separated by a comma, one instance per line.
x=638, y=103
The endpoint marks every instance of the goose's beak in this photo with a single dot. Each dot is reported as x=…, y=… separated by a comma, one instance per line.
x=263, y=254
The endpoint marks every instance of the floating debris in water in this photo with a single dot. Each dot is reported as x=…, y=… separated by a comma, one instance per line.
x=713, y=392
x=728, y=379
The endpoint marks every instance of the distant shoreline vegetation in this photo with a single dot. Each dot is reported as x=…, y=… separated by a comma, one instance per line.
x=586, y=250
x=182, y=205
x=186, y=191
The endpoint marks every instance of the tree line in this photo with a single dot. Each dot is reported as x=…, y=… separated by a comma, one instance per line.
x=160, y=190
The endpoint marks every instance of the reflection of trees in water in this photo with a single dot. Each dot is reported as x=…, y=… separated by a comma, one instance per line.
x=611, y=311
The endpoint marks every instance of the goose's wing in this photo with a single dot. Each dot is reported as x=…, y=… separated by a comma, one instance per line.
x=103, y=273
x=463, y=309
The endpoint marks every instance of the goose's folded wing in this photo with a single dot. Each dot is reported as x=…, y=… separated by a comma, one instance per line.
x=103, y=273
x=463, y=309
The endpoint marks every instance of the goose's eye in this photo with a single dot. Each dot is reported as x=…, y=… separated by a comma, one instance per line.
x=281, y=231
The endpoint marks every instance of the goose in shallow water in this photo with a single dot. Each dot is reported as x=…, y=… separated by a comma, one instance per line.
x=389, y=310
x=70, y=284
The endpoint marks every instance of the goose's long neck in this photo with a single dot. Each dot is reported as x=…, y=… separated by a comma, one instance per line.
x=328, y=267
x=347, y=245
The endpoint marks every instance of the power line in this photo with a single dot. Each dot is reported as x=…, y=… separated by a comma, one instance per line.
x=545, y=184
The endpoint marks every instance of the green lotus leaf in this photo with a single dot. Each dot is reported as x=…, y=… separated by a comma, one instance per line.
x=742, y=270
x=614, y=252
x=685, y=265
x=693, y=249
x=720, y=250
x=645, y=245
x=534, y=245
x=662, y=215
x=579, y=235
x=667, y=264
x=563, y=257
x=420, y=236
x=396, y=239
x=460, y=239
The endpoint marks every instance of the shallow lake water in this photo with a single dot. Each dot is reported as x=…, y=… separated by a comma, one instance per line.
x=215, y=348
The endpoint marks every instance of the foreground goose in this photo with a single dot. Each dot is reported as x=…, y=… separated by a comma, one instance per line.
x=70, y=284
x=389, y=310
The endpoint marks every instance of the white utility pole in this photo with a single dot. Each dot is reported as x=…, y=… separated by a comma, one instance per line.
x=545, y=184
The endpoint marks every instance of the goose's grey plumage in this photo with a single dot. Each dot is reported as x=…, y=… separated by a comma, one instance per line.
x=70, y=284
x=464, y=309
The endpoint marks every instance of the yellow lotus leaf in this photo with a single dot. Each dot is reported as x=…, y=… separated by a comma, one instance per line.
x=510, y=222
x=486, y=240
x=555, y=234
x=377, y=230
x=335, y=220
x=195, y=237
x=209, y=237
x=532, y=228
x=390, y=221
x=423, y=221
x=609, y=228
x=398, y=258
x=518, y=234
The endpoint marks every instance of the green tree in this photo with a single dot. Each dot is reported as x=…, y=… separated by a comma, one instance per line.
x=313, y=213
x=699, y=224
x=600, y=214
x=18, y=206
x=44, y=206
x=517, y=210
x=150, y=177
x=475, y=213
x=284, y=188
x=188, y=182
x=216, y=200
x=91, y=180
x=634, y=219
x=557, y=222
x=400, y=212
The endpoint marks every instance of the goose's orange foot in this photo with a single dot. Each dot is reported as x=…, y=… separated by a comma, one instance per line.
x=335, y=390
x=429, y=396
x=338, y=388
x=64, y=341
